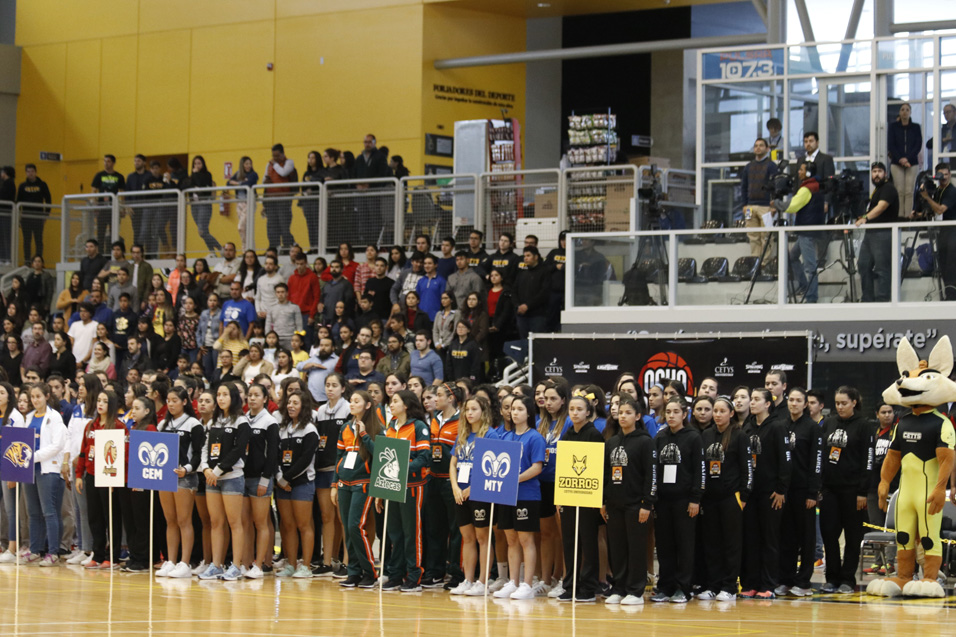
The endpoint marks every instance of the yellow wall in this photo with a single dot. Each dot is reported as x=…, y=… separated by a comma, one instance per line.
x=161, y=78
x=453, y=33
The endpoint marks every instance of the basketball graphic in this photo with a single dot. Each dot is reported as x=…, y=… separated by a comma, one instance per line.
x=665, y=366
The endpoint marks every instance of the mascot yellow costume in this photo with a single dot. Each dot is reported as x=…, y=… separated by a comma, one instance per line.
x=923, y=447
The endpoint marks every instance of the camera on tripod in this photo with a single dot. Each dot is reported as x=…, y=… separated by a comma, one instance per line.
x=928, y=183
x=846, y=194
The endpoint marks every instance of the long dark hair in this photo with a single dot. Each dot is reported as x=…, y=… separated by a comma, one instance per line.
x=11, y=403
x=182, y=394
x=734, y=421
x=235, y=403
x=372, y=426
x=529, y=405
x=93, y=387
x=244, y=269
x=204, y=169
x=853, y=394
x=413, y=407
x=305, y=414
x=150, y=418
x=112, y=409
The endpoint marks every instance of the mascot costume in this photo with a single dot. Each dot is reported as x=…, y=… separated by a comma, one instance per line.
x=923, y=448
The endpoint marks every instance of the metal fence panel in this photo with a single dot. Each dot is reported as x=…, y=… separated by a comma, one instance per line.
x=361, y=212
x=599, y=198
x=521, y=202
x=284, y=214
x=8, y=234
x=438, y=206
x=153, y=220
x=85, y=217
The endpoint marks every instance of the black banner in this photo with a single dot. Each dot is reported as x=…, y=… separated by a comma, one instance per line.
x=732, y=360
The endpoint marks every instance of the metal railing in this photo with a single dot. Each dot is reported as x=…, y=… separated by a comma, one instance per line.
x=319, y=216
x=597, y=199
x=509, y=199
x=689, y=270
x=87, y=216
x=439, y=206
x=152, y=218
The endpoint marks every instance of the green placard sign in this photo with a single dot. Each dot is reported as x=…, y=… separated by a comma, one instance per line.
x=389, y=468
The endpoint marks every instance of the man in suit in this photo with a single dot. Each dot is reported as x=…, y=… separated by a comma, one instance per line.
x=374, y=213
x=225, y=372
x=824, y=171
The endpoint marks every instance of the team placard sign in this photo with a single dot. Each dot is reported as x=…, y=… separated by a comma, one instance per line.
x=109, y=458
x=18, y=445
x=494, y=476
x=152, y=458
x=579, y=474
x=389, y=475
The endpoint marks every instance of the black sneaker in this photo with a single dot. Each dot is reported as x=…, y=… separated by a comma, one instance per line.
x=433, y=582
x=392, y=585
x=584, y=598
x=322, y=570
x=452, y=583
x=411, y=587
x=829, y=588
x=267, y=568
x=367, y=582
x=351, y=582
x=604, y=589
x=660, y=597
x=136, y=568
x=566, y=596
x=341, y=572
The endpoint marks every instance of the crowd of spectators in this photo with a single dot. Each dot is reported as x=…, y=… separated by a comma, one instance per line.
x=445, y=316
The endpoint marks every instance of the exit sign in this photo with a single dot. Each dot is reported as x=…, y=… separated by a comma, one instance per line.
x=45, y=156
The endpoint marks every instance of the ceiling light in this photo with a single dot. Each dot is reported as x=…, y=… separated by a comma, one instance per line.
x=544, y=5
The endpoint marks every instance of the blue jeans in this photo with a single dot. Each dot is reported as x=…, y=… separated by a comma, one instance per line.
x=202, y=214
x=84, y=537
x=44, y=499
x=805, y=250
x=874, y=264
x=528, y=324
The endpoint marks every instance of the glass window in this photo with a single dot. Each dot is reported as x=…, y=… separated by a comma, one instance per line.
x=904, y=54
x=735, y=115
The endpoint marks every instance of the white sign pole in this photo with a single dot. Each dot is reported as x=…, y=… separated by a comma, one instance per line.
x=112, y=564
x=488, y=557
x=381, y=574
x=149, y=564
x=577, y=528
x=16, y=519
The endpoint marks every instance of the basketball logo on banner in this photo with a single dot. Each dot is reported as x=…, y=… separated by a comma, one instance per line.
x=579, y=474
x=109, y=459
x=496, y=478
x=16, y=464
x=153, y=457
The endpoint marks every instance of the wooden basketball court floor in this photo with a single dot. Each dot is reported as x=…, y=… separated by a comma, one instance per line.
x=73, y=601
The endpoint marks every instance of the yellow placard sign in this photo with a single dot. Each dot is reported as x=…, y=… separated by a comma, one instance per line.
x=579, y=474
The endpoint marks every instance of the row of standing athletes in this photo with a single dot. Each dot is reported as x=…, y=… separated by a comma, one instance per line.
x=241, y=453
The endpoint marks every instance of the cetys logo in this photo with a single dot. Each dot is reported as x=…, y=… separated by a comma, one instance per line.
x=19, y=454
x=665, y=366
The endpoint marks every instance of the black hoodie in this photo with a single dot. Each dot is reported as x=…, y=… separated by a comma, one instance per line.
x=804, y=440
x=771, y=457
x=630, y=470
x=730, y=470
x=685, y=450
x=847, y=454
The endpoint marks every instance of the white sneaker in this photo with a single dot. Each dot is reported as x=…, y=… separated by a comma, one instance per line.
x=540, y=589
x=86, y=560
x=505, y=591
x=200, y=569
x=165, y=569
x=180, y=571
x=705, y=596
x=632, y=600
x=613, y=599
x=461, y=588
x=497, y=585
x=524, y=592
x=76, y=558
x=556, y=591
x=724, y=596
x=7, y=557
x=253, y=573
x=477, y=590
